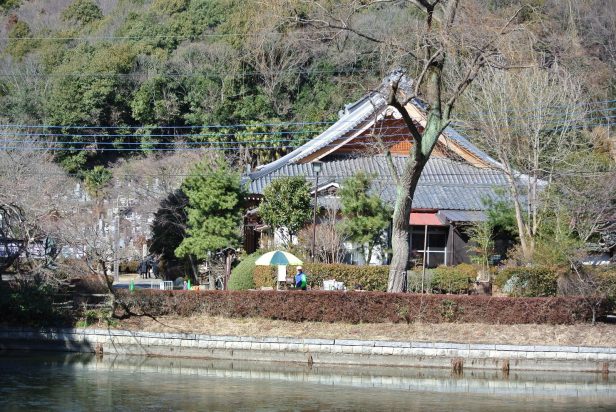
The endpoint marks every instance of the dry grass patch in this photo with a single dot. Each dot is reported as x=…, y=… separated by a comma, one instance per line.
x=582, y=334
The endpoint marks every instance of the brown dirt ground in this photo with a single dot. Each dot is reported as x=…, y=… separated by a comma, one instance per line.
x=582, y=335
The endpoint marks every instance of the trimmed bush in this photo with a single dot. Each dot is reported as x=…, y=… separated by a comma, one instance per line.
x=532, y=281
x=265, y=276
x=372, y=278
x=355, y=307
x=414, y=281
x=128, y=266
x=453, y=279
x=242, y=274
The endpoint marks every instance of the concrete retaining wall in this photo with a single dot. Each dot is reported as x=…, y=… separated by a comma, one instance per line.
x=318, y=351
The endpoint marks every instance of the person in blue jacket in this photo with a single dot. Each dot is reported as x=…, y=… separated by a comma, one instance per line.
x=300, y=279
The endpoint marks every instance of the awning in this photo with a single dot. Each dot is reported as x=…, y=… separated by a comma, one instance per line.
x=463, y=216
x=425, y=219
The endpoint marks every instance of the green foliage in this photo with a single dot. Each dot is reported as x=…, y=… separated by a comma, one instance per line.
x=214, y=210
x=241, y=275
x=369, y=277
x=556, y=244
x=82, y=12
x=157, y=101
x=453, y=279
x=30, y=303
x=94, y=317
x=501, y=216
x=9, y=4
x=169, y=6
x=286, y=203
x=530, y=281
x=365, y=216
x=450, y=310
x=96, y=180
x=80, y=95
x=416, y=278
x=19, y=43
x=481, y=243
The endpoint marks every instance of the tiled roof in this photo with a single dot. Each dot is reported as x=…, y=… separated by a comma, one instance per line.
x=351, y=121
x=463, y=215
x=444, y=184
x=355, y=118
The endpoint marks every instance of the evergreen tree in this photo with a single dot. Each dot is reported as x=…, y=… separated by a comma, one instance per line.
x=214, y=210
x=365, y=215
x=286, y=204
x=169, y=225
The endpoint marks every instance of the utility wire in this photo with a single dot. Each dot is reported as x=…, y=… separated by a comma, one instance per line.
x=243, y=132
x=224, y=145
x=271, y=124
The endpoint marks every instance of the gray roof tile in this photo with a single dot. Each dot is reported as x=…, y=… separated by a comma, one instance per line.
x=444, y=184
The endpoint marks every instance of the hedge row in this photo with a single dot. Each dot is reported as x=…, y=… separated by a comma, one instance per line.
x=444, y=279
x=372, y=278
x=528, y=281
x=356, y=307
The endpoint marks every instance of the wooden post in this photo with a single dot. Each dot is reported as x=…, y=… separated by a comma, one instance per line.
x=423, y=269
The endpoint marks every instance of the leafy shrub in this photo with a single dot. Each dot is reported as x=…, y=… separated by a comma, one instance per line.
x=372, y=278
x=355, y=307
x=532, y=281
x=31, y=303
x=416, y=280
x=369, y=277
x=453, y=279
x=82, y=12
x=241, y=275
x=169, y=6
x=18, y=44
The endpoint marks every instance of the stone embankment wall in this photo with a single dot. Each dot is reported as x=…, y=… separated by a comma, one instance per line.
x=315, y=351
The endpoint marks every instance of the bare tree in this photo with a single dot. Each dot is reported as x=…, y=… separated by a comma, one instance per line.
x=34, y=192
x=141, y=185
x=525, y=119
x=588, y=193
x=278, y=62
x=329, y=239
x=444, y=44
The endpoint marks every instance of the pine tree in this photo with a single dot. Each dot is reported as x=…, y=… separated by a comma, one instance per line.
x=365, y=216
x=214, y=210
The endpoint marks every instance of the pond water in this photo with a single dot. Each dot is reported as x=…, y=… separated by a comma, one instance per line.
x=78, y=382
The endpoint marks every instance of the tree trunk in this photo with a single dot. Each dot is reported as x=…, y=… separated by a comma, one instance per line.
x=401, y=224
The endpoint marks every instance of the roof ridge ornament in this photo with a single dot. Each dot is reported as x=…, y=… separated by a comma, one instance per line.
x=400, y=83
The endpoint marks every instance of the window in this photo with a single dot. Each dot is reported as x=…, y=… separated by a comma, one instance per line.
x=436, y=252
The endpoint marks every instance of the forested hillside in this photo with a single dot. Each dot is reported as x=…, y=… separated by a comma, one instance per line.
x=106, y=105
x=98, y=80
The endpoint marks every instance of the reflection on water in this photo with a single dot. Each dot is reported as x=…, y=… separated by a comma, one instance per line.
x=84, y=383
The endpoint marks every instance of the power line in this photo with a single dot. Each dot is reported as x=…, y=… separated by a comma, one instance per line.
x=209, y=75
x=249, y=125
x=145, y=37
x=178, y=145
